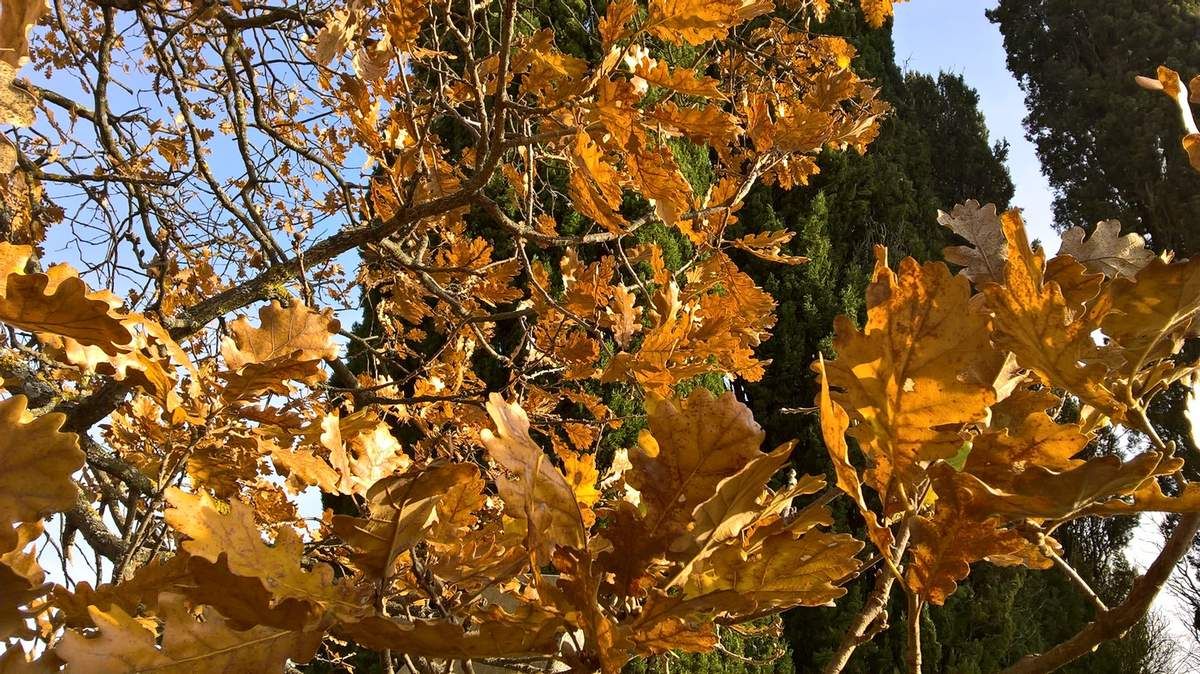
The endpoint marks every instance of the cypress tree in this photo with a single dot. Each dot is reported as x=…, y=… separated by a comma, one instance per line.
x=1108, y=149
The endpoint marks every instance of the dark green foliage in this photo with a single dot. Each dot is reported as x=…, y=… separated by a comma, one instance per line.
x=1109, y=149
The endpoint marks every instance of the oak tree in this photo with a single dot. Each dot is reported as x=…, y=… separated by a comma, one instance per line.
x=178, y=401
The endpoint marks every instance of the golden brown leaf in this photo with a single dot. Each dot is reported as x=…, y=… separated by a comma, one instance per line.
x=36, y=464
x=35, y=302
x=538, y=494
x=697, y=21
x=1153, y=312
x=1031, y=318
x=496, y=634
x=294, y=332
x=768, y=246
x=190, y=643
x=996, y=457
x=911, y=374
x=780, y=572
x=834, y=424
x=878, y=11
x=1041, y=493
x=595, y=186
x=680, y=80
x=235, y=536
x=945, y=546
x=21, y=578
x=402, y=510
x=692, y=445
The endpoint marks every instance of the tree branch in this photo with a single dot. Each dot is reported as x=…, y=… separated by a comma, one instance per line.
x=1115, y=622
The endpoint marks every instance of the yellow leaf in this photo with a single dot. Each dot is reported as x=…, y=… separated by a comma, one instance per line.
x=595, y=186
x=780, y=573
x=1153, y=312
x=834, y=424
x=945, y=546
x=680, y=80
x=21, y=579
x=698, y=21
x=612, y=24
x=1031, y=318
x=912, y=375
x=877, y=11
x=190, y=643
x=36, y=464
x=17, y=18
x=295, y=333
x=36, y=303
x=709, y=124
x=402, y=509
x=538, y=494
x=289, y=344
x=697, y=443
x=769, y=246
x=1041, y=493
x=235, y=536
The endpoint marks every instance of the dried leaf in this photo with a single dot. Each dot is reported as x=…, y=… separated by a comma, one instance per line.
x=538, y=494
x=190, y=643
x=910, y=374
x=1105, y=251
x=698, y=21
x=36, y=464
x=1032, y=319
x=984, y=257
x=235, y=536
x=38, y=303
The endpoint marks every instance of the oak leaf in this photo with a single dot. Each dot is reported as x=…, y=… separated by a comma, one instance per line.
x=538, y=494
x=235, y=537
x=1032, y=319
x=696, y=21
x=1155, y=311
x=944, y=547
x=780, y=572
x=691, y=446
x=909, y=375
x=36, y=464
x=190, y=643
x=834, y=424
x=878, y=11
x=63, y=307
x=769, y=246
x=21, y=578
x=289, y=343
x=1105, y=252
x=527, y=630
x=1040, y=493
x=595, y=185
x=680, y=80
x=402, y=509
x=984, y=257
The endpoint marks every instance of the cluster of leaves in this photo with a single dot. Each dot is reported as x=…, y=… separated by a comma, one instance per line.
x=955, y=395
x=493, y=532
x=209, y=434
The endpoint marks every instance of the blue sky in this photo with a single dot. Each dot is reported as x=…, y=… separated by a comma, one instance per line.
x=955, y=36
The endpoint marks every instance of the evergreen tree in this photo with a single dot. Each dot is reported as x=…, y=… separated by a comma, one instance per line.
x=1108, y=149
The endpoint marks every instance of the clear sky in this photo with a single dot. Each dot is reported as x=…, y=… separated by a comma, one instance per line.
x=955, y=36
